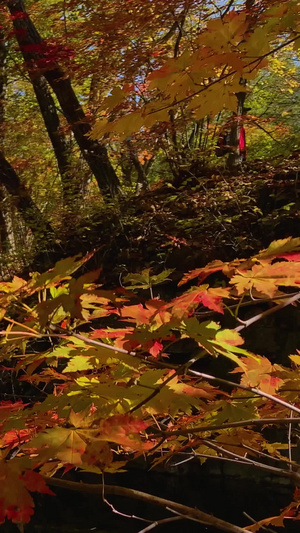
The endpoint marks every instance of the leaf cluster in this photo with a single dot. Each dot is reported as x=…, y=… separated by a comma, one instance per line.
x=109, y=390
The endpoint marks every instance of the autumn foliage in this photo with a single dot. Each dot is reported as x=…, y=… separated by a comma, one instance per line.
x=103, y=104
x=104, y=389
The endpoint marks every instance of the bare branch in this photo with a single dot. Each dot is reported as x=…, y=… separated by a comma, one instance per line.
x=241, y=423
x=184, y=511
x=294, y=476
x=275, y=399
x=270, y=311
x=161, y=522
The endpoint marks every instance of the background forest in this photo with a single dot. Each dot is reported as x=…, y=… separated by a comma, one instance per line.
x=144, y=146
x=150, y=176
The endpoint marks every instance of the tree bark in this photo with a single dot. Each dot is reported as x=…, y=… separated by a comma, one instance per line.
x=93, y=152
x=29, y=211
x=59, y=142
x=142, y=182
x=10, y=181
x=3, y=84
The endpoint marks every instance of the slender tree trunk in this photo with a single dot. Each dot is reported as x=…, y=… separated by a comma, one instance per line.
x=29, y=211
x=60, y=144
x=3, y=83
x=142, y=182
x=126, y=167
x=235, y=158
x=93, y=152
x=9, y=180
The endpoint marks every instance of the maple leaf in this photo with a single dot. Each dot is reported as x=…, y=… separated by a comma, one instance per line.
x=110, y=333
x=61, y=271
x=15, y=436
x=145, y=280
x=209, y=297
x=267, y=278
x=13, y=286
x=207, y=392
x=97, y=453
x=205, y=450
x=233, y=410
x=155, y=311
x=154, y=347
x=172, y=397
x=82, y=419
x=230, y=337
x=257, y=373
x=212, y=298
x=202, y=273
x=138, y=313
x=15, y=501
x=79, y=363
x=7, y=408
x=295, y=359
x=161, y=314
x=203, y=333
x=34, y=482
x=232, y=439
x=68, y=445
x=280, y=248
x=124, y=430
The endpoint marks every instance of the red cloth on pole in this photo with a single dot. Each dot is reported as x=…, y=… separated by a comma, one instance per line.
x=242, y=140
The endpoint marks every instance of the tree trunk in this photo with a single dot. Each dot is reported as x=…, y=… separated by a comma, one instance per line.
x=3, y=84
x=29, y=211
x=235, y=157
x=93, y=152
x=142, y=182
x=60, y=144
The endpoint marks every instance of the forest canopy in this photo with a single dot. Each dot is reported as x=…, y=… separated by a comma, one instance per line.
x=102, y=99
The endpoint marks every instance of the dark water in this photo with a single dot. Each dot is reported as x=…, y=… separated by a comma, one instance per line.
x=220, y=491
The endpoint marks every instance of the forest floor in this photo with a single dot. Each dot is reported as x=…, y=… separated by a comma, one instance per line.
x=214, y=216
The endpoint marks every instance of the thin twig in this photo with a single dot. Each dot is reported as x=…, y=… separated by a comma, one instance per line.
x=268, y=312
x=68, y=336
x=161, y=522
x=157, y=390
x=275, y=399
x=293, y=476
x=290, y=440
x=255, y=522
x=228, y=7
x=248, y=303
x=269, y=457
x=217, y=457
x=182, y=516
x=241, y=423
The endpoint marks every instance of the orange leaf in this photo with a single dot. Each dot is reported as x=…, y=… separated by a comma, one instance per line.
x=258, y=374
x=124, y=430
x=202, y=273
x=34, y=482
x=15, y=502
x=211, y=298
